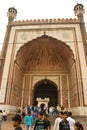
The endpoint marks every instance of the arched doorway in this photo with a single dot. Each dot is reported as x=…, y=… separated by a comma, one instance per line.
x=46, y=89
x=44, y=55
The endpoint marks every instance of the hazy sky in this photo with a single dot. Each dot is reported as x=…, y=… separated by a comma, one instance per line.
x=38, y=9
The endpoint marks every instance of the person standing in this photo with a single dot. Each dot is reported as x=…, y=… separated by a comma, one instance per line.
x=40, y=123
x=23, y=112
x=64, y=124
x=57, y=121
x=28, y=120
x=4, y=115
x=71, y=120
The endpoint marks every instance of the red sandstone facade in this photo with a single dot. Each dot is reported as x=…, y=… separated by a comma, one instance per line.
x=45, y=58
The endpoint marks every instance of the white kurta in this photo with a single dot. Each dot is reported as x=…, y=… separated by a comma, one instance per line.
x=71, y=122
x=56, y=124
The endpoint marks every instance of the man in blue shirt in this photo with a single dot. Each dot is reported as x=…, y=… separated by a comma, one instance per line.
x=28, y=120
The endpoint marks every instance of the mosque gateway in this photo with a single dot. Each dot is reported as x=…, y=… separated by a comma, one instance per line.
x=44, y=61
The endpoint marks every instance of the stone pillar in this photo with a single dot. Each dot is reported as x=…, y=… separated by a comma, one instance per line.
x=61, y=101
x=31, y=97
x=68, y=100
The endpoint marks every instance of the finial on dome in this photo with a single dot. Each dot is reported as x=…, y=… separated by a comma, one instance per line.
x=79, y=11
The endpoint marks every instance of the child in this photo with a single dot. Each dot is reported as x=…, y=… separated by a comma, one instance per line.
x=17, y=122
x=28, y=121
x=78, y=126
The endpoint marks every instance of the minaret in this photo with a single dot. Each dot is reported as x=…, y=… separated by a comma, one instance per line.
x=12, y=12
x=79, y=11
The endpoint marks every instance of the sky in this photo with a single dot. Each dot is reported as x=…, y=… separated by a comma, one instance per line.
x=38, y=9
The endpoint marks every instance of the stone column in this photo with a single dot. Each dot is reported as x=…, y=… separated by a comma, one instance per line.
x=61, y=101
x=68, y=100
x=31, y=96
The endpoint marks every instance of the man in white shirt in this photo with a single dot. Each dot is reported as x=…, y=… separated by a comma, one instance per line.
x=4, y=113
x=58, y=120
x=71, y=121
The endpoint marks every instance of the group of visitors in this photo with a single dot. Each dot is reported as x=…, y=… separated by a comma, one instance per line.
x=32, y=117
x=40, y=121
x=52, y=111
x=64, y=121
x=36, y=118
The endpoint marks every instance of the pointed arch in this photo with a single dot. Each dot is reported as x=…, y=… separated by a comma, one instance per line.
x=45, y=52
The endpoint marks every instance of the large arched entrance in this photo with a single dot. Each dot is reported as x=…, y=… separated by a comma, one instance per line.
x=46, y=89
x=44, y=56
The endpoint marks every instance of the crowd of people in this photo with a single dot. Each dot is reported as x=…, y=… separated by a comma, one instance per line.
x=35, y=118
x=64, y=121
